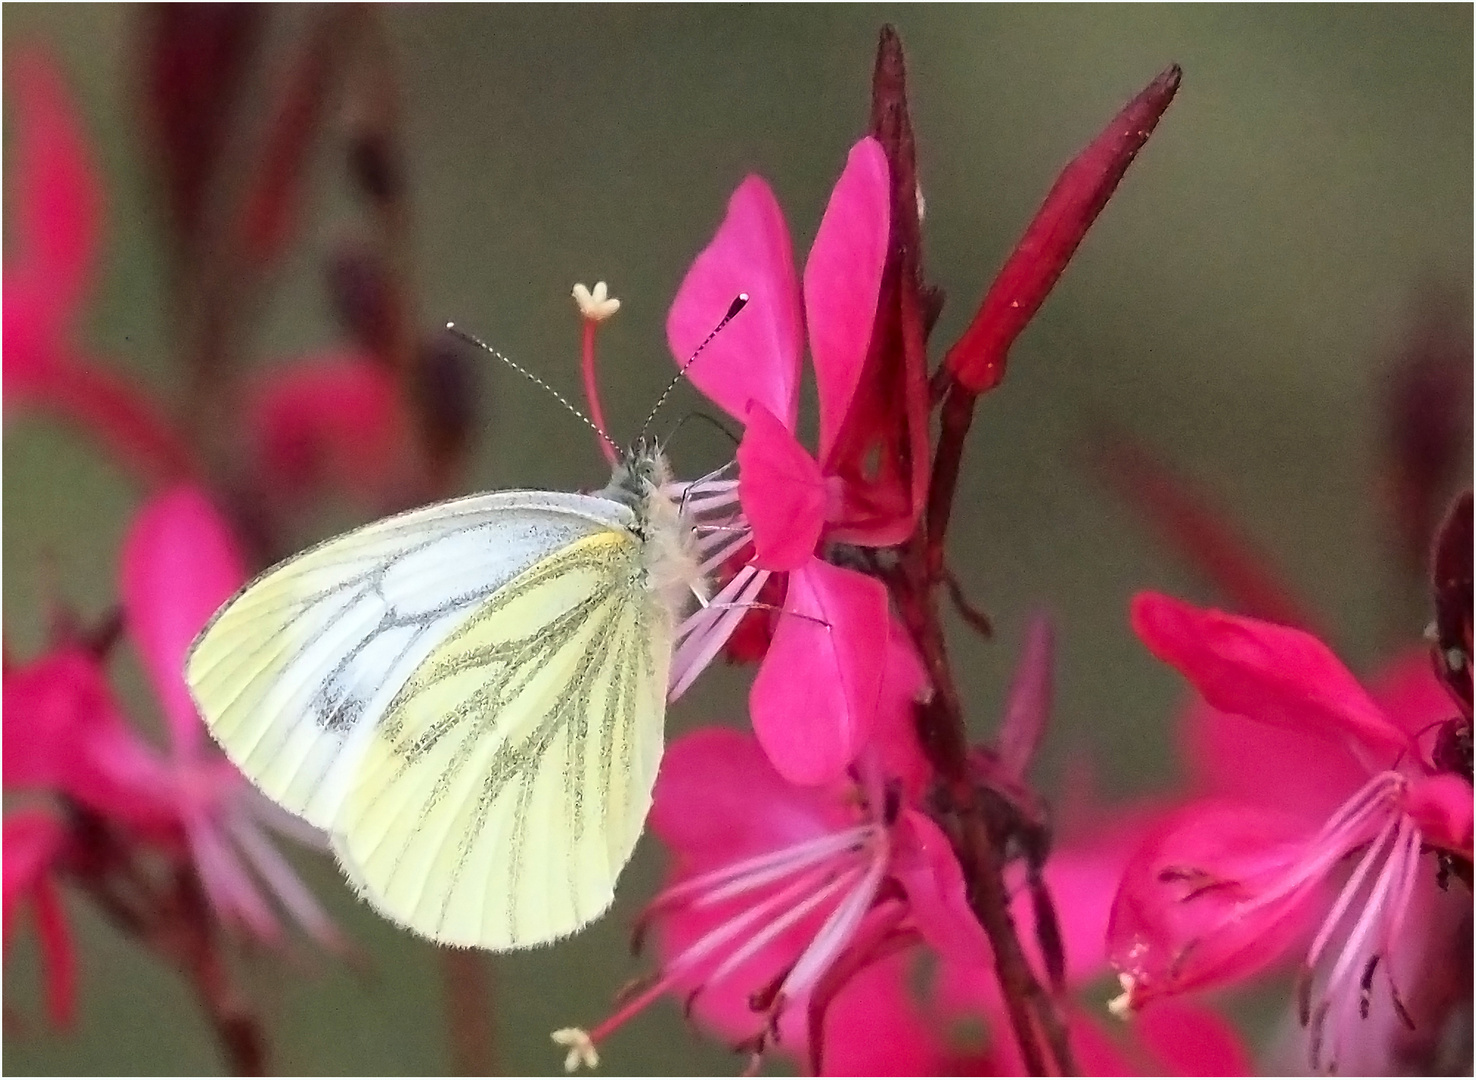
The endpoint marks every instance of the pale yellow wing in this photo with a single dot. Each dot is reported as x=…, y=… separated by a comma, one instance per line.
x=509, y=780
x=293, y=674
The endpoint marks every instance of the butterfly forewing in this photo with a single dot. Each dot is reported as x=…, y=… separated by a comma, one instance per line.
x=294, y=675
x=509, y=778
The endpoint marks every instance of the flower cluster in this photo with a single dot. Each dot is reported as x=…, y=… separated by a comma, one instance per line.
x=856, y=878
x=168, y=841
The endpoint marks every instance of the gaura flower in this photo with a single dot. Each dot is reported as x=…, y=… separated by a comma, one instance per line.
x=33, y=842
x=813, y=701
x=780, y=894
x=47, y=274
x=180, y=563
x=330, y=422
x=1085, y=866
x=65, y=733
x=1322, y=773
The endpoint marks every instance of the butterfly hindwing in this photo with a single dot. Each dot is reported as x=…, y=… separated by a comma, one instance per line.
x=508, y=781
x=294, y=674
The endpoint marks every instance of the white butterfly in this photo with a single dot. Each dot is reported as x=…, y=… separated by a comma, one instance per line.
x=469, y=698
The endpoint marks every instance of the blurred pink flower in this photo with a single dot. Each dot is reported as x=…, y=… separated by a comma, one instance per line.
x=780, y=894
x=65, y=733
x=47, y=274
x=33, y=842
x=334, y=422
x=180, y=563
x=1228, y=884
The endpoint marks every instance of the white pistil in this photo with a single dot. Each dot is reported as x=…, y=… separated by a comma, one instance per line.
x=581, y=1048
x=596, y=304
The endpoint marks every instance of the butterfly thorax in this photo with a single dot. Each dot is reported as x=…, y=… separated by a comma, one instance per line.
x=669, y=549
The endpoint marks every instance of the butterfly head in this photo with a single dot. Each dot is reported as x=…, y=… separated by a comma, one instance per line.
x=639, y=475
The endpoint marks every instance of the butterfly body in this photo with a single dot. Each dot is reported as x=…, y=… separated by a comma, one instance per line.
x=469, y=698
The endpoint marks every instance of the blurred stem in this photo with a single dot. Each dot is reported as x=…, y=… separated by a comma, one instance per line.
x=466, y=979
x=174, y=920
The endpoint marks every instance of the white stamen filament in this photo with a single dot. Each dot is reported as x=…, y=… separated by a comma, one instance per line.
x=741, y=922
x=761, y=869
x=730, y=546
x=700, y=642
x=837, y=884
x=1350, y=890
x=837, y=930
x=283, y=881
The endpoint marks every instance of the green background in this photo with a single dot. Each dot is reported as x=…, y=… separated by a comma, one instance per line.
x=1237, y=305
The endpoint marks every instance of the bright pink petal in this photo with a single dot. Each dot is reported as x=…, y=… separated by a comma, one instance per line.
x=904, y=685
x=815, y=697
x=842, y=279
x=1269, y=673
x=1200, y=905
x=924, y=863
x=1182, y=1039
x=180, y=563
x=757, y=355
x=332, y=422
x=59, y=199
x=718, y=800
x=1441, y=806
x=782, y=492
x=1028, y=707
x=1294, y=771
x=1409, y=693
x=1169, y=1039
x=876, y=1027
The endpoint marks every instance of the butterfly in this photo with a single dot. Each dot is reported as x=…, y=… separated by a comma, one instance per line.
x=468, y=698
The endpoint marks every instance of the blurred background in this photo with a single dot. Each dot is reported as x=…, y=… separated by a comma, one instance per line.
x=1257, y=305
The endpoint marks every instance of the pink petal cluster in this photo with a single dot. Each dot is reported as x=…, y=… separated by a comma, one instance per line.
x=48, y=271
x=334, y=422
x=795, y=916
x=66, y=738
x=1304, y=772
x=814, y=702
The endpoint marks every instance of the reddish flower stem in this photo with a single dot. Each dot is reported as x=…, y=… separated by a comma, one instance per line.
x=466, y=982
x=1037, y=1027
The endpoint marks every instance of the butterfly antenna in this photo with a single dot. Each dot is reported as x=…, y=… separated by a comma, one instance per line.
x=739, y=302
x=521, y=370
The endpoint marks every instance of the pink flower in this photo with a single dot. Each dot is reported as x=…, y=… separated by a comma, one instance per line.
x=752, y=369
x=58, y=204
x=1323, y=771
x=180, y=563
x=334, y=422
x=65, y=733
x=1082, y=874
x=34, y=841
x=814, y=700
x=780, y=894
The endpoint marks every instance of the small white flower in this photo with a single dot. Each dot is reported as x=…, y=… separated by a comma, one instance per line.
x=596, y=304
x=581, y=1046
